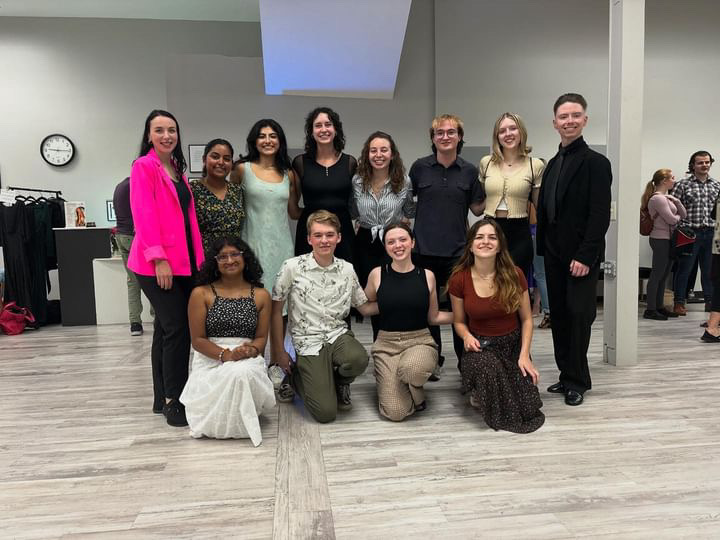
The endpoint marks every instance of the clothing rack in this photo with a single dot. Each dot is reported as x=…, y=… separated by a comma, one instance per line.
x=55, y=191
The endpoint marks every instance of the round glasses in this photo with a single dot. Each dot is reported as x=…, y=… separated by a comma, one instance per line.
x=225, y=257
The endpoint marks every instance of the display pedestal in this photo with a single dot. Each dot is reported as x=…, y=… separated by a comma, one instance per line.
x=111, y=299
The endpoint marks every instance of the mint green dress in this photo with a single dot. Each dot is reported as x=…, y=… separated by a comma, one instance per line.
x=267, y=226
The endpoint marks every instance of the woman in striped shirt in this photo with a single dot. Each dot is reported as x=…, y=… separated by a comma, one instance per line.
x=382, y=194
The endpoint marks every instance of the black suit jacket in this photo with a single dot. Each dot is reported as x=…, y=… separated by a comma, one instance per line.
x=582, y=212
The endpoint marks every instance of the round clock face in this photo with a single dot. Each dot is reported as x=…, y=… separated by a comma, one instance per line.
x=57, y=150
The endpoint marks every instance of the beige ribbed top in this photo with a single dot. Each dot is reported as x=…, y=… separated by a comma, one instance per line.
x=515, y=186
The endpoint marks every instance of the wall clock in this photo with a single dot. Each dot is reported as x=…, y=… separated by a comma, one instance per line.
x=57, y=150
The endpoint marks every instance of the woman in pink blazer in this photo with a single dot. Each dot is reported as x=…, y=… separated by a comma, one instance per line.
x=165, y=255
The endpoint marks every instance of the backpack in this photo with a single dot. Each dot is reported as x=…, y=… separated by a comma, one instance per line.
x=647, y=222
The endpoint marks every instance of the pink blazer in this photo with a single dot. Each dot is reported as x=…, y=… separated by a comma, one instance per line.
x=158, y=218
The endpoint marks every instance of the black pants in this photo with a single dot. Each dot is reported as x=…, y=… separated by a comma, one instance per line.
x=574, y=306
x=519, y=241
x=661, y=264
x=171, y=335
x=368, y=254
x=441, y=267
x=715, y=277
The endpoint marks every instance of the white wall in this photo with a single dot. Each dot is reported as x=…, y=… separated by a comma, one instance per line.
x=95, y=81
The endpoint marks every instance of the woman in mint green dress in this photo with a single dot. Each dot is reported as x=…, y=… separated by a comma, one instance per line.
x=270, y=195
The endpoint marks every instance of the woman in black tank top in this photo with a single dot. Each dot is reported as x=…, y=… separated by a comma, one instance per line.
x=404, y=353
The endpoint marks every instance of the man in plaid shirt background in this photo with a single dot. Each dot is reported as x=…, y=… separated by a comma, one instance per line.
x=698, y=193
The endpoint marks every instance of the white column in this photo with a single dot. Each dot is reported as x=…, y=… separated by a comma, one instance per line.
x=625, y=110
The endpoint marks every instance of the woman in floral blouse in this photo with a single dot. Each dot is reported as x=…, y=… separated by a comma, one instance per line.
x=218, y=203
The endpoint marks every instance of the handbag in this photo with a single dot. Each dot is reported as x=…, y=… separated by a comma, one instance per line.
x=682, y=241
x=13, y=319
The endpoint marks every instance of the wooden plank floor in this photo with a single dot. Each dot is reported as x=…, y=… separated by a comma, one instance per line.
x=82, y=456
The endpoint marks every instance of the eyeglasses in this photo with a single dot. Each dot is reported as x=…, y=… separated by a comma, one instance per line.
x=225, y=257
x=440, y=133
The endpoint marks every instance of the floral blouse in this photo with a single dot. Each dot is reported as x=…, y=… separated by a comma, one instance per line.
x=218, y=218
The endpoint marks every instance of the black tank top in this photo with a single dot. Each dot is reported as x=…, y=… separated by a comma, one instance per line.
x=403, y=300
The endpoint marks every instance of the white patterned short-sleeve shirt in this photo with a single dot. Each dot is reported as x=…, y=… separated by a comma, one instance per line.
x=319, y=299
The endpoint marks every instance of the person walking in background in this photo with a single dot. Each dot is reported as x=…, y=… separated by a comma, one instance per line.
x=666, y=211
x=125, y=232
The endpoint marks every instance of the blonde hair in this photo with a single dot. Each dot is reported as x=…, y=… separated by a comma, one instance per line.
x=458, y=125
x=523, y=148
x=324, y=217
x=508, y=292
x=651, y=187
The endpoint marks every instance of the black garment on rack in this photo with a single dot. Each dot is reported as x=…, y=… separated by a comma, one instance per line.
x=41, y=248
x=15, y=233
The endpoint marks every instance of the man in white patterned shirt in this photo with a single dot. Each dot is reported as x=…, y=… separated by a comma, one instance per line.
x=320, y=289
x=698, y=193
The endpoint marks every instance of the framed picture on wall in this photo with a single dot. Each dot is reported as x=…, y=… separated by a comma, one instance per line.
x=195, y=151
x=110, y=209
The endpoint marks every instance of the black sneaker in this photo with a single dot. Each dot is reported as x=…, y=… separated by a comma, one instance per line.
x=174, y=412
x=343, y=397
x=136, y=329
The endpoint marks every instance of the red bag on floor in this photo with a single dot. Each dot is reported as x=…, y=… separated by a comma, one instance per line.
x=13, y=319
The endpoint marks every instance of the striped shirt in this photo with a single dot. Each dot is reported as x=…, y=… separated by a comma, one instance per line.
x=699, y=200
x=377, y=212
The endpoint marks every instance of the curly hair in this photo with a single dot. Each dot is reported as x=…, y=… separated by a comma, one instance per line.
x=209, y=271
x=311, y=143
x=508, y=292
x=397, y=169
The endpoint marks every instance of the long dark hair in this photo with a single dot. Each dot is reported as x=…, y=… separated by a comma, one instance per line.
x=397, y=169
x=507, y=291
x=311, y=143
x=282, y=161
x=209, y=146
x=210, y=273
x=145, y=145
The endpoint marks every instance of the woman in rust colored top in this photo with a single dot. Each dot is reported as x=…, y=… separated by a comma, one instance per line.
x=492, y=315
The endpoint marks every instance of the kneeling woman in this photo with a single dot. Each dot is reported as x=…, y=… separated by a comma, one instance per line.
x=229, y=316
x=491, y=307
x=404, y=353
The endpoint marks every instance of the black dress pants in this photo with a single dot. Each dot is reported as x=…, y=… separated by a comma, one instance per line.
x=574, y=306
x=441, y=267
x=368, y=254
x=519, y=241
x=171, y=335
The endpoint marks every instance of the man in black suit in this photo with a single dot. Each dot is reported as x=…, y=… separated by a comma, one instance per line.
x=573, y=217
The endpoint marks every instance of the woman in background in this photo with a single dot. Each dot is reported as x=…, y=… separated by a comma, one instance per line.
x=666, y=211
x=165, y=254
x=219, y=203
x=512, y=178
x=491, y=308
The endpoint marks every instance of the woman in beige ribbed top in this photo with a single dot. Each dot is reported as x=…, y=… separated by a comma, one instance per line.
x=511, y=179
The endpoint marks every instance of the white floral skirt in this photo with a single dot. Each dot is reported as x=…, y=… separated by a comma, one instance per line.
x=223, y=400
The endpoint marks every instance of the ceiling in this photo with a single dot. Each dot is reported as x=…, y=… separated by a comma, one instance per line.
x=189, y=10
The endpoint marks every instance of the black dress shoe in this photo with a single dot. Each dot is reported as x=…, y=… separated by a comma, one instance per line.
x=174, y=412
x=573, y=398
x=557, y=388
x=667, y=313
x=707, y=337
x=654, y=315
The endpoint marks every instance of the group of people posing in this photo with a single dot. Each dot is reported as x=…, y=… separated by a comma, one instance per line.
x=692, y=204
x=216, y=259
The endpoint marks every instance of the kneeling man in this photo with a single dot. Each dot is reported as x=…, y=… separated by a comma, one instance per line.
x=320, y=289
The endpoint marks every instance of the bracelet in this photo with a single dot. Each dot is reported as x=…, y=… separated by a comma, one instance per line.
x=220, y=356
